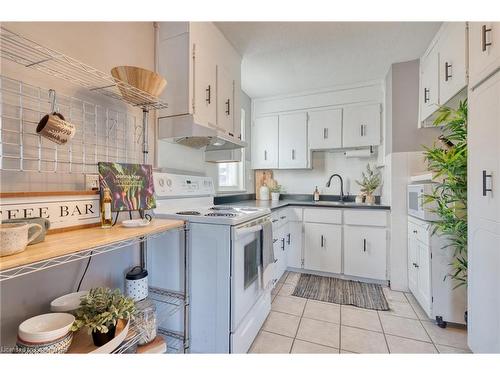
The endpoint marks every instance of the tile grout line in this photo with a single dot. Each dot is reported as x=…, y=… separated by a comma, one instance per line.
x=298, y=326
x=421, y=324
x=340, y=328
x=383, y=332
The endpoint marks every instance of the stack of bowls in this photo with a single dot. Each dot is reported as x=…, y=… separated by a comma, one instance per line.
x=45, y=334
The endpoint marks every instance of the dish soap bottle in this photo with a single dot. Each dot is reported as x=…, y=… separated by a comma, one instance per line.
x=316, y=194
x=106, y=220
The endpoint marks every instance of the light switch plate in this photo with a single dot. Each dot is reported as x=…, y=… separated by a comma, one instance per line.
x=92, y=182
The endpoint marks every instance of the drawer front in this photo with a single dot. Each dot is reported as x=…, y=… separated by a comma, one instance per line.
x=323, y=215
x=419, y=231
x=294, y=213
x=376, y=218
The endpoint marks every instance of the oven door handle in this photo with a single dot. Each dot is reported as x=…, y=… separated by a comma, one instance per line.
x=242, y=232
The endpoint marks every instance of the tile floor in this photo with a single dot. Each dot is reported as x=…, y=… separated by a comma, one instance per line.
x=299, y=325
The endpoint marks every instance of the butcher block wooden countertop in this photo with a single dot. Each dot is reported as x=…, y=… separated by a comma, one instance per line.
x=74, y=241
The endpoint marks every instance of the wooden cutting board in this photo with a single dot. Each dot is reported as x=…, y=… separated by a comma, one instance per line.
x=263, y=177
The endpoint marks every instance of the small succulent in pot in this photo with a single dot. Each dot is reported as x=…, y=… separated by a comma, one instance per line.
x=275, y=192
x=370, y=181
x=100, y=311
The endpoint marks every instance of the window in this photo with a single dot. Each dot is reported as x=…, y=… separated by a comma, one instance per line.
x=231, y=175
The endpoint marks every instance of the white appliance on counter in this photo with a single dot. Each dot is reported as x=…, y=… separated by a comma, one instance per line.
x=228, y=301
x=416, y=197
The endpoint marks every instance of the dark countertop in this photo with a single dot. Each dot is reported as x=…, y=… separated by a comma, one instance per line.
x=273, y=205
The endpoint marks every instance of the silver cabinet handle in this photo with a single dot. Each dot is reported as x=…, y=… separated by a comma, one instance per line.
x=485, y=183
x=325, y=133
x=283, y=244
x=426, y=93
x=265, y=154
x=293, y=154
x=364, y=245
x=208, y=91
x=363, y=130
x=415, y=265
x=447, y=74
x=276, y=260
x=228, y=107
x=322, y=241
x=288, y=239
x=484, y=32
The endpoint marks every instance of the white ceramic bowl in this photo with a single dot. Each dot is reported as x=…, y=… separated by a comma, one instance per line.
x=46, y=327
x=67, y=303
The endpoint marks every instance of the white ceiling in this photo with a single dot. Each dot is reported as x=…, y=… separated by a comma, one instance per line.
x=288, y=57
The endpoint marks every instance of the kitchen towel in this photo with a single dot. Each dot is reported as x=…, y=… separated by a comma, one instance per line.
x=267, y=253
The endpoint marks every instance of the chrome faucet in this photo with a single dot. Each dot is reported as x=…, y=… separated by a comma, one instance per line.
x=341, y=185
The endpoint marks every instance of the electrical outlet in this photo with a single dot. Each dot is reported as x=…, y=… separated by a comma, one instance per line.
x=92, y=182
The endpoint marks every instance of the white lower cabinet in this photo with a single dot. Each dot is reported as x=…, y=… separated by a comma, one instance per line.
x=323, y=247
x=294, y=244
x=279, y=247
x=365, y=252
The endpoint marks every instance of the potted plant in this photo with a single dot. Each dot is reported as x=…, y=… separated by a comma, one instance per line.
x=370, y=181
x=100, y=311
x=275, y=192
x=447, y=159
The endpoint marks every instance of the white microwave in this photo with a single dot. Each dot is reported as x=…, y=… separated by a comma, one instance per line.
x=416, y=198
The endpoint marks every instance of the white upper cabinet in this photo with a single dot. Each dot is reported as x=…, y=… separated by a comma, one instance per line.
x=200, y=65
x=292, y=145
x=484, y=50
x=225, y=101
x=429, y=84
x=265, y=135
x=443, y=69
x=361, y=126
x=452, y=60
x=325, y=129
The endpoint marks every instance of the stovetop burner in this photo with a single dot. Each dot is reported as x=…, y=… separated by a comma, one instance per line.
x=194, y=213
x=224, y=214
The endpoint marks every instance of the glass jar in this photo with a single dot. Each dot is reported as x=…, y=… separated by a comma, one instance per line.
x=145, y=319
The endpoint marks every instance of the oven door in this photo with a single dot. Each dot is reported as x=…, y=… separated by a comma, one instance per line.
x=246, y=285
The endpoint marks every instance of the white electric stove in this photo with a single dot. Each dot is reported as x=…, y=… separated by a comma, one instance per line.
x=228, y=299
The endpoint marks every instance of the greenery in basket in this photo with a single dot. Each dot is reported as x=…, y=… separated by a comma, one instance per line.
x=276, y=189
x=447, y=159
x=370, y=180
x=101, y=309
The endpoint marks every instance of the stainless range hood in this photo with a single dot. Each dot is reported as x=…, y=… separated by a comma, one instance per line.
x=185, y=131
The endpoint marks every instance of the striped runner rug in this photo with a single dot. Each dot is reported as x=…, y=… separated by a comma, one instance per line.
x=344, y=292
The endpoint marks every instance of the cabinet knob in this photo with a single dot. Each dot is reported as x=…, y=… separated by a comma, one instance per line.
x=415, y=265
x=415, y=232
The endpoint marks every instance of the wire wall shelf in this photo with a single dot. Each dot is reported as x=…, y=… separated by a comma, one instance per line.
x=26, y=52
x=14, y=272
x=102, y=134
x=175, y=340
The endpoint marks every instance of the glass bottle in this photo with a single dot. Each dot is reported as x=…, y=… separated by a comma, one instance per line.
x=316, y=194
x=106, y=218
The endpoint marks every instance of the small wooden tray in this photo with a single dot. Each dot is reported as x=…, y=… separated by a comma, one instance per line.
x=83, y=344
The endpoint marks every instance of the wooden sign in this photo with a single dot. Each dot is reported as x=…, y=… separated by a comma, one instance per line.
x=62, y=209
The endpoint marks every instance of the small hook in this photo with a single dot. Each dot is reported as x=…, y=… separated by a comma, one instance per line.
x=52, y=99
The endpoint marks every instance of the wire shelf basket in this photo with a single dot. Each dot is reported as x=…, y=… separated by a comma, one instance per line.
x=102, y=134
x=26, y=52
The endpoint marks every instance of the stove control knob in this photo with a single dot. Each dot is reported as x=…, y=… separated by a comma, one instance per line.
x=169, y=182
x=161, y=182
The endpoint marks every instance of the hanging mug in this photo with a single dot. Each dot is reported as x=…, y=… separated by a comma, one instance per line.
x=53, y=126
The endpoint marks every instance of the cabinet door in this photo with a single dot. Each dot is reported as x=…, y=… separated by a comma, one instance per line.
x=205, y=78
x=293, y=141
x=423, y=295
x=452, y=60
x=361, y=126
x=483, y=291
x=323, y=247
x=484, y=150
x=265, y=143
x=294, y=244
x=429, y=84
x=412, y=259
x=225, y=102
x=325, y=129
x=484, y=50
x=279, y=253
x=365, y=252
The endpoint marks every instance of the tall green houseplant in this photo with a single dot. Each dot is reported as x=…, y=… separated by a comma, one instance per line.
x=447, y=159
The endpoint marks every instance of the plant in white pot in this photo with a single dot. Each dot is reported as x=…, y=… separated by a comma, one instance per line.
x=370, y=181
x=100, y=311
x=275, y=192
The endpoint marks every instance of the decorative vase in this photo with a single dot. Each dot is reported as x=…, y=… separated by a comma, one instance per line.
x=370, y=199
x=264, y=193
x=101, y=338
x=359, y=198
x=275, y=196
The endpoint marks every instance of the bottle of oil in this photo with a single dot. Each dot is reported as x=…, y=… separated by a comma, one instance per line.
x=106, y=219
x=316, y=194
